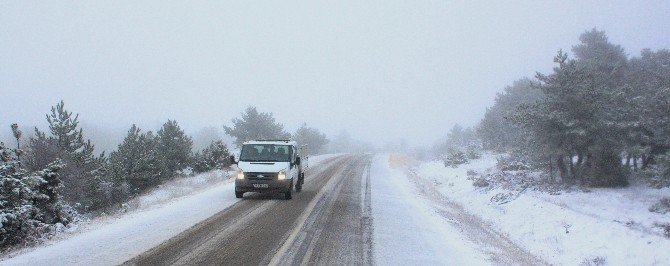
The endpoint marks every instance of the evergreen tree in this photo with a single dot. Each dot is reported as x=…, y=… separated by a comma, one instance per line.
x=16, y=210
x=312, y=137
x=214, y=156
x=497, y=130
x=81, y=170
x=175, y=146
x=590, y=111
x=17, y=135
x=649, y=106
x=255, y=126
x=137, y=164
x=580, y=115
x=28, y=203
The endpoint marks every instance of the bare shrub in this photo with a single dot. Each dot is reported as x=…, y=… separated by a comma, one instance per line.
x=662, y=206
x=502, y=198
x=597, y=261
x=511, y=163
x=480, y=182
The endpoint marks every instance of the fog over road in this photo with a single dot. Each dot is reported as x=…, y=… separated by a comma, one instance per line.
x=326, y=223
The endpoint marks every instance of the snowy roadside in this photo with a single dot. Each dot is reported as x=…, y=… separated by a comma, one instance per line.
x=150, y=220
x=407, y=231
x=610, y=226
x=113, y=240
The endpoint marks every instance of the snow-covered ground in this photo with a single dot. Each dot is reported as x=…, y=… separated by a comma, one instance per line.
x=151, y=219
x=407, y=231
x=612, y=226
x=114, y=240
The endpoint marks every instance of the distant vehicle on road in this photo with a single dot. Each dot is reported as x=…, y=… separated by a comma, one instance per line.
x=269, y=166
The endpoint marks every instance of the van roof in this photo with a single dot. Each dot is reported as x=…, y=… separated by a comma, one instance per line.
x=275, y=142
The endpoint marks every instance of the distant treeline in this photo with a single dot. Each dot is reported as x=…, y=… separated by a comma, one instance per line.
x=45, y=184
x=596, y=120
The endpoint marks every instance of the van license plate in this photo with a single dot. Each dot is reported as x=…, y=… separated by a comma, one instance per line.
x=261, y=185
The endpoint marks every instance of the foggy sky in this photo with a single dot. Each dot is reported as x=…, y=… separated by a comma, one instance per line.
x=381, y=70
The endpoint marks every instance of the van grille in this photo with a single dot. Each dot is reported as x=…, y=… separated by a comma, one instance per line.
x=260, y=176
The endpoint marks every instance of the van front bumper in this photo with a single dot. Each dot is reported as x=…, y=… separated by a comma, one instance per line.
x=253, y=185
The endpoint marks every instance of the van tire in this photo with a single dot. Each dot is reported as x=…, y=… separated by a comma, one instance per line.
x=288, y=194
x=301, y=179
x=239, y=194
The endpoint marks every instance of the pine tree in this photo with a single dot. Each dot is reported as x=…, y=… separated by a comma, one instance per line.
x=175, y=146
x=255, y=126
x=649, y=101
x=17, y=135
x=580, y=115
x=311, y=137
x=28, y=202
x=81, y=170
x=16, y=213
x=137, y=164
x=214, y=156
x=497, y=130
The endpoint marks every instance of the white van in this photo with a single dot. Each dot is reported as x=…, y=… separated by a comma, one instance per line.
x=269, y=166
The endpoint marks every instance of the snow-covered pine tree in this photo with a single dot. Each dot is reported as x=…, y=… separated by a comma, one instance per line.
x=81, y=170
x=175, y=146
x=497, y=130
x=255, y=125
x=137, y=164
x=605, y=86
x=17, y=133
x=579, y=116
x=649, y=94
x=214, y=156
x=30, y=204
x=16, y=211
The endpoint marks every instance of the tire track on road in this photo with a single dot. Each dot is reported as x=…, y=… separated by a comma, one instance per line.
x=229, y=236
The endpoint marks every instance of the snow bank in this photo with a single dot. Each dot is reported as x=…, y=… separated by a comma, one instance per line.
x=116, y=239
x=407, y=231
x=611, y=225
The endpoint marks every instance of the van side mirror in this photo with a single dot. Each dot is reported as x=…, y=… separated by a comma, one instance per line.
x=297, y=160
x=232, y=159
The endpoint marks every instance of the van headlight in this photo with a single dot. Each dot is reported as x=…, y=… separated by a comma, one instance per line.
x=281, y=175
x=240, y=174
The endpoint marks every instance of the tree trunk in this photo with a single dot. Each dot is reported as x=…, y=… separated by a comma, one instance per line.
x=646, y=160
x=18, y=151
x=551, y=170
x=580, y=159
x=561, y=167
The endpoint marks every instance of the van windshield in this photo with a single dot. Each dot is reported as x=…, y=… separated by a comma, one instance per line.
x=265, y=153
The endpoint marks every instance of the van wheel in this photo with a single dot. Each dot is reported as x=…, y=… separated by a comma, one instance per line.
x=298, y=186
x=301, y=180
x=287, y=194
x=239, y=194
